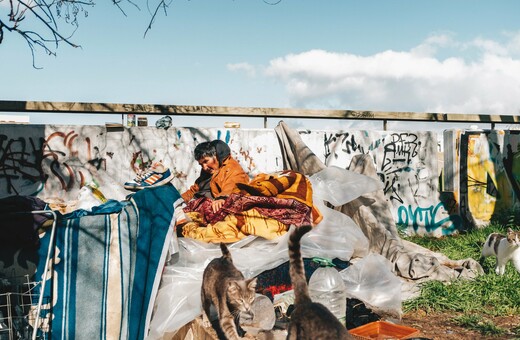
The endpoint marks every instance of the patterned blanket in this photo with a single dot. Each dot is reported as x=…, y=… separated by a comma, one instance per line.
x=266, y=207
x=107, y=268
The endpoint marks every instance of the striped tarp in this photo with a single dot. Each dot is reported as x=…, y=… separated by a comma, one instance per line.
x=107, y=268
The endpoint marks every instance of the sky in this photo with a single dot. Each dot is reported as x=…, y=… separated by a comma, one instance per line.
x=444, y=56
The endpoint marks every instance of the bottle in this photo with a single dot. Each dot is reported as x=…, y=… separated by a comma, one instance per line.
x=327, y=287
x=94, y=188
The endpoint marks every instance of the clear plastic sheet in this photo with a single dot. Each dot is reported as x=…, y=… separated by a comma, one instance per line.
x=337, y=236
x=178, y=299
x=371, y=280
x=339, y=186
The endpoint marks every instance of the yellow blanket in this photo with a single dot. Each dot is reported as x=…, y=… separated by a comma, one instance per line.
x=286, y=184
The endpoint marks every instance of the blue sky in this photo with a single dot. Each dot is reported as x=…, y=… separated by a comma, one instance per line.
x=401, y=55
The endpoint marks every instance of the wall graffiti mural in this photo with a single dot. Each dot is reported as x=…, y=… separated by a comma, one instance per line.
x=56, y=161
x=490, y=174
x=29, y=165
x=20, y=160
x=406, y=163
x=433, y=218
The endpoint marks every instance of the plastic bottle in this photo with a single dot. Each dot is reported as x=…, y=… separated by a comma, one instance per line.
x=327, y=287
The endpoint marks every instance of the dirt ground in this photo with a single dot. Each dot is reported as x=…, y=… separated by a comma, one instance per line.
x=441, y=326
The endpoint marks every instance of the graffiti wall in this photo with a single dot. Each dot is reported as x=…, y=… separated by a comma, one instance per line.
x=489, y=174
x=407, y=164
x=55, y=162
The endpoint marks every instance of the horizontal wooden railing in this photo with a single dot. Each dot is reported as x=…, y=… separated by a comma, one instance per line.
x=194, y=110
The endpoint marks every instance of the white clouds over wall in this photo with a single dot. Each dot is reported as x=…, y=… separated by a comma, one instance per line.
x=479, y=76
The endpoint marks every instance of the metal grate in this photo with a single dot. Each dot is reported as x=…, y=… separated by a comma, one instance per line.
x=19, y=298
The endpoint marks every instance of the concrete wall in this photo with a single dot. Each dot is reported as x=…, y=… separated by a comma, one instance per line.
x=56, y=161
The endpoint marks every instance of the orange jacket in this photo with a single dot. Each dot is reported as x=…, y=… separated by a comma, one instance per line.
x=223, y=182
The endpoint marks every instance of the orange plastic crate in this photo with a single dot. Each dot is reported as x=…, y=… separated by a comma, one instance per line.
x=383, y=330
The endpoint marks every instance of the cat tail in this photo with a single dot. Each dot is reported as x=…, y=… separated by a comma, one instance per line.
x=225, y=252
x=297, y=270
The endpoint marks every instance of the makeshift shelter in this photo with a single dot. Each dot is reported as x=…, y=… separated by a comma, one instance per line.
x=116, y=256
x=372, y=214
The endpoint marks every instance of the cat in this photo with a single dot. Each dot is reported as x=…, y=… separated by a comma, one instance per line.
x=224, y=286
x=309, y=320
x=504, y=248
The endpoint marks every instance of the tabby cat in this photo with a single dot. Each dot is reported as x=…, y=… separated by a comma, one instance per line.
x=224, y=286
x=504, y=248
x=309, y=320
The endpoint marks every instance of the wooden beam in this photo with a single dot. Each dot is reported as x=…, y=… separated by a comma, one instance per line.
x=194, y=110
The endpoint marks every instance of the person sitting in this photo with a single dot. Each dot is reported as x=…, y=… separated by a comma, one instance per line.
x=219, y=176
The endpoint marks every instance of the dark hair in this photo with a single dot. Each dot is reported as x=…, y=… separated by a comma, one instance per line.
x=204, y=149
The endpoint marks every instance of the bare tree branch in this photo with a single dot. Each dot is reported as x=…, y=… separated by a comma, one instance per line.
x=46, y=29
x=162, y=4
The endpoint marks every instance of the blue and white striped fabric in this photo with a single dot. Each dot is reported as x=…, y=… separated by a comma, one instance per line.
x=107, y=268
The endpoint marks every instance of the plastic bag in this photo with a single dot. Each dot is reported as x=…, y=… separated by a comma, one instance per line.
x=336, y=236
x=371, y=281
x=178, y=299
x=340, y=186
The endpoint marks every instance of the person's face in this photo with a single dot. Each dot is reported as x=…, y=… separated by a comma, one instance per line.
x=209, y=164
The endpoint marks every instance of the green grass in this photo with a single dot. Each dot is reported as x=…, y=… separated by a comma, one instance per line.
x=480, y=324
x=487, y=296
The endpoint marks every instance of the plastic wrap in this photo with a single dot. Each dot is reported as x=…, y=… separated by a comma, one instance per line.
x=178, y=299
x=371, y=281
x=336, y=236
x=339, y=186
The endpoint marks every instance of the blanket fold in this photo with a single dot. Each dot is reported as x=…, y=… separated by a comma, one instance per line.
x=266, y=207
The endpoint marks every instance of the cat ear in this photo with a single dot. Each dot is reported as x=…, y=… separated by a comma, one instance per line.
x=252, y=284
x=509, y=230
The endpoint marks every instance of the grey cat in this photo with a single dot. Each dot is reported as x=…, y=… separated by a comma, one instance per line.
x=309, y=320
x=505, y=248
x=224, y=286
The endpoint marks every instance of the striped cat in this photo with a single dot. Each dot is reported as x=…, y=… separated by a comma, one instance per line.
x=309, y=320
x=224, y=286
x=505, y=248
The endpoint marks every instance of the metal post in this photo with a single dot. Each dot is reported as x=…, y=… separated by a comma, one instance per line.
x=47, y=260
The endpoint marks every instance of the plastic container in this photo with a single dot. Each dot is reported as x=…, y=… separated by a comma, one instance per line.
x=383, y=330
x=327, y=287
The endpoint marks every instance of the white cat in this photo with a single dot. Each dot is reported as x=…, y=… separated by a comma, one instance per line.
x=505, y=248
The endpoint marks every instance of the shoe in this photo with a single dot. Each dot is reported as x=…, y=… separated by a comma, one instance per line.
x=155, y=176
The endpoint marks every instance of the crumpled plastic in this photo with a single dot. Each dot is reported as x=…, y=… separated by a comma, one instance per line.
x=339, y=186
x=372, y=281
x=336, y=236
x=164, y=122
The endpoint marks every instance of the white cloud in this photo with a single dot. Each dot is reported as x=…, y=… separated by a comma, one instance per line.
x=242, y=67
x=479, y=76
